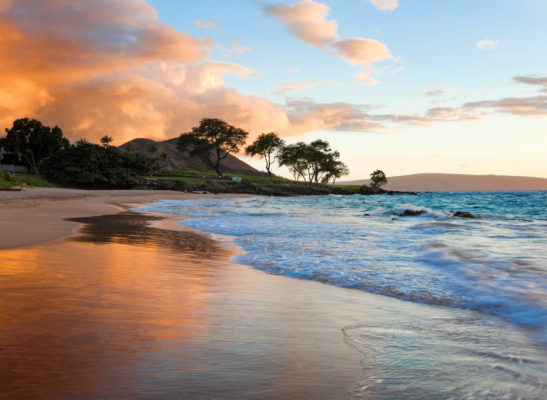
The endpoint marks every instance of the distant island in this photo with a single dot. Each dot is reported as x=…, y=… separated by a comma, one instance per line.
x=458, y=182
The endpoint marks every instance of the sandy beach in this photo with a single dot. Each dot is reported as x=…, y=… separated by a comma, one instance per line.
x=120, y=305
x=38, y=215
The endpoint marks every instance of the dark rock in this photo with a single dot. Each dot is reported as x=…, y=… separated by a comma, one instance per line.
x=464, y=214
x=412, y=213
x=366, y=215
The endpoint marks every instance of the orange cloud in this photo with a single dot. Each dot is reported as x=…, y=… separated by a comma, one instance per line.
x=361, y=51
x=306, y=115
x=307, y=20
x=532, y=107
x=50, y=51
x=110, y=67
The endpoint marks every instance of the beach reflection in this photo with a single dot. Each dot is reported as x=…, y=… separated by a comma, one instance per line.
x=126, y=310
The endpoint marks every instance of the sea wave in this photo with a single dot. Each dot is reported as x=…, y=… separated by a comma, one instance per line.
x=493, y=264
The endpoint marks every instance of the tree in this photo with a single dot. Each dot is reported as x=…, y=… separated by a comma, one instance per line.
x=89, y=164
x=293, y=156
x=106, y=140
x=33, y=142
x=212, y=141
x=377, y=179
x=266, y=146
x=335, y=169
x=313, y=162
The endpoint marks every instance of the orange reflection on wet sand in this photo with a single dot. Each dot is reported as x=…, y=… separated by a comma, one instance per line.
x=126, y=310
x=86, y=311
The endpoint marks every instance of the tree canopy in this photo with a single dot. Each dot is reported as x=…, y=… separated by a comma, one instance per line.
x=314, y=162
x=212, y=141
x=88, y=164
x=33, y=142
x=266, y=146
x=377, y=178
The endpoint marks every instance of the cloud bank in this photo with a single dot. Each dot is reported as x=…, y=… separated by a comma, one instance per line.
x=104, y=67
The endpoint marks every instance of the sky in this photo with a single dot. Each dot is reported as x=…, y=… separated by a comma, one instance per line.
x=406, y=86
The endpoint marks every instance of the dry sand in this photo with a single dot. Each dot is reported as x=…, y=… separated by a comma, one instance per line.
x=34, y=216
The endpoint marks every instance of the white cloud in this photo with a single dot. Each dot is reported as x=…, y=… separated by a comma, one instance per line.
x=385, y=5
x=487, y=44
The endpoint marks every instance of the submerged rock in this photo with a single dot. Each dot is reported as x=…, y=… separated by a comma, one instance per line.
x=411, y=213
x=464, y=214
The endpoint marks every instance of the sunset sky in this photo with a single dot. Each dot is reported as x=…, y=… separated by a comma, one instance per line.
x=406, y=86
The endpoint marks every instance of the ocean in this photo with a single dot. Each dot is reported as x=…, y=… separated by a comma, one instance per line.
x=492, y=267
x=495, y=263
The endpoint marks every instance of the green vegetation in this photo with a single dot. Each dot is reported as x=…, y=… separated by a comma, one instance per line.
x=88, y=164
x=267, y=146
x=101, y=166
x=314, y=163
x=377, y=178
x=33, y=142
x=213, y=138
x=7, y=180
x=35, y=180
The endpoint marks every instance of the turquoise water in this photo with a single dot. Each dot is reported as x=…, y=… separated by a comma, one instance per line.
x=471, y=316
x=496, y=263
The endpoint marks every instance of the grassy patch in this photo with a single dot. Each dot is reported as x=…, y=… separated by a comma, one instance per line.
x=35, y=180
x=8, y=180
x=349, y=188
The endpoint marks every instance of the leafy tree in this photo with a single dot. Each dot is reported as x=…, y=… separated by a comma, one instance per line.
x=266, y=146
x=335, y=169
x=130, y=147
x=212, y=141
x=89, y=164
x=322, y=158
x=33, y=142
x=314, y=162
x=377, y=178
x=293, y=156
x=106, y=140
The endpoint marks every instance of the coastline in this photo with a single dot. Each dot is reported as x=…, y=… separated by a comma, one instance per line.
x=38, y=215
x=154, y=309
x=256, y=335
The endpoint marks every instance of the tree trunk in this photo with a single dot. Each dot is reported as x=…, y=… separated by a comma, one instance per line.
x=217, y=165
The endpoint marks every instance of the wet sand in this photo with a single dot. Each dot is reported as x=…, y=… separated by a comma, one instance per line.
x=130, y=309
x=37, y=215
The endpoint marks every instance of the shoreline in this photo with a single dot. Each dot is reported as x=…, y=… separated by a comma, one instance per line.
x=39, y=215
x=164, y=291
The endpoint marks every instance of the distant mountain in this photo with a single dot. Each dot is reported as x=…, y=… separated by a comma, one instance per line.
x=458, y=182
x=176, y=159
